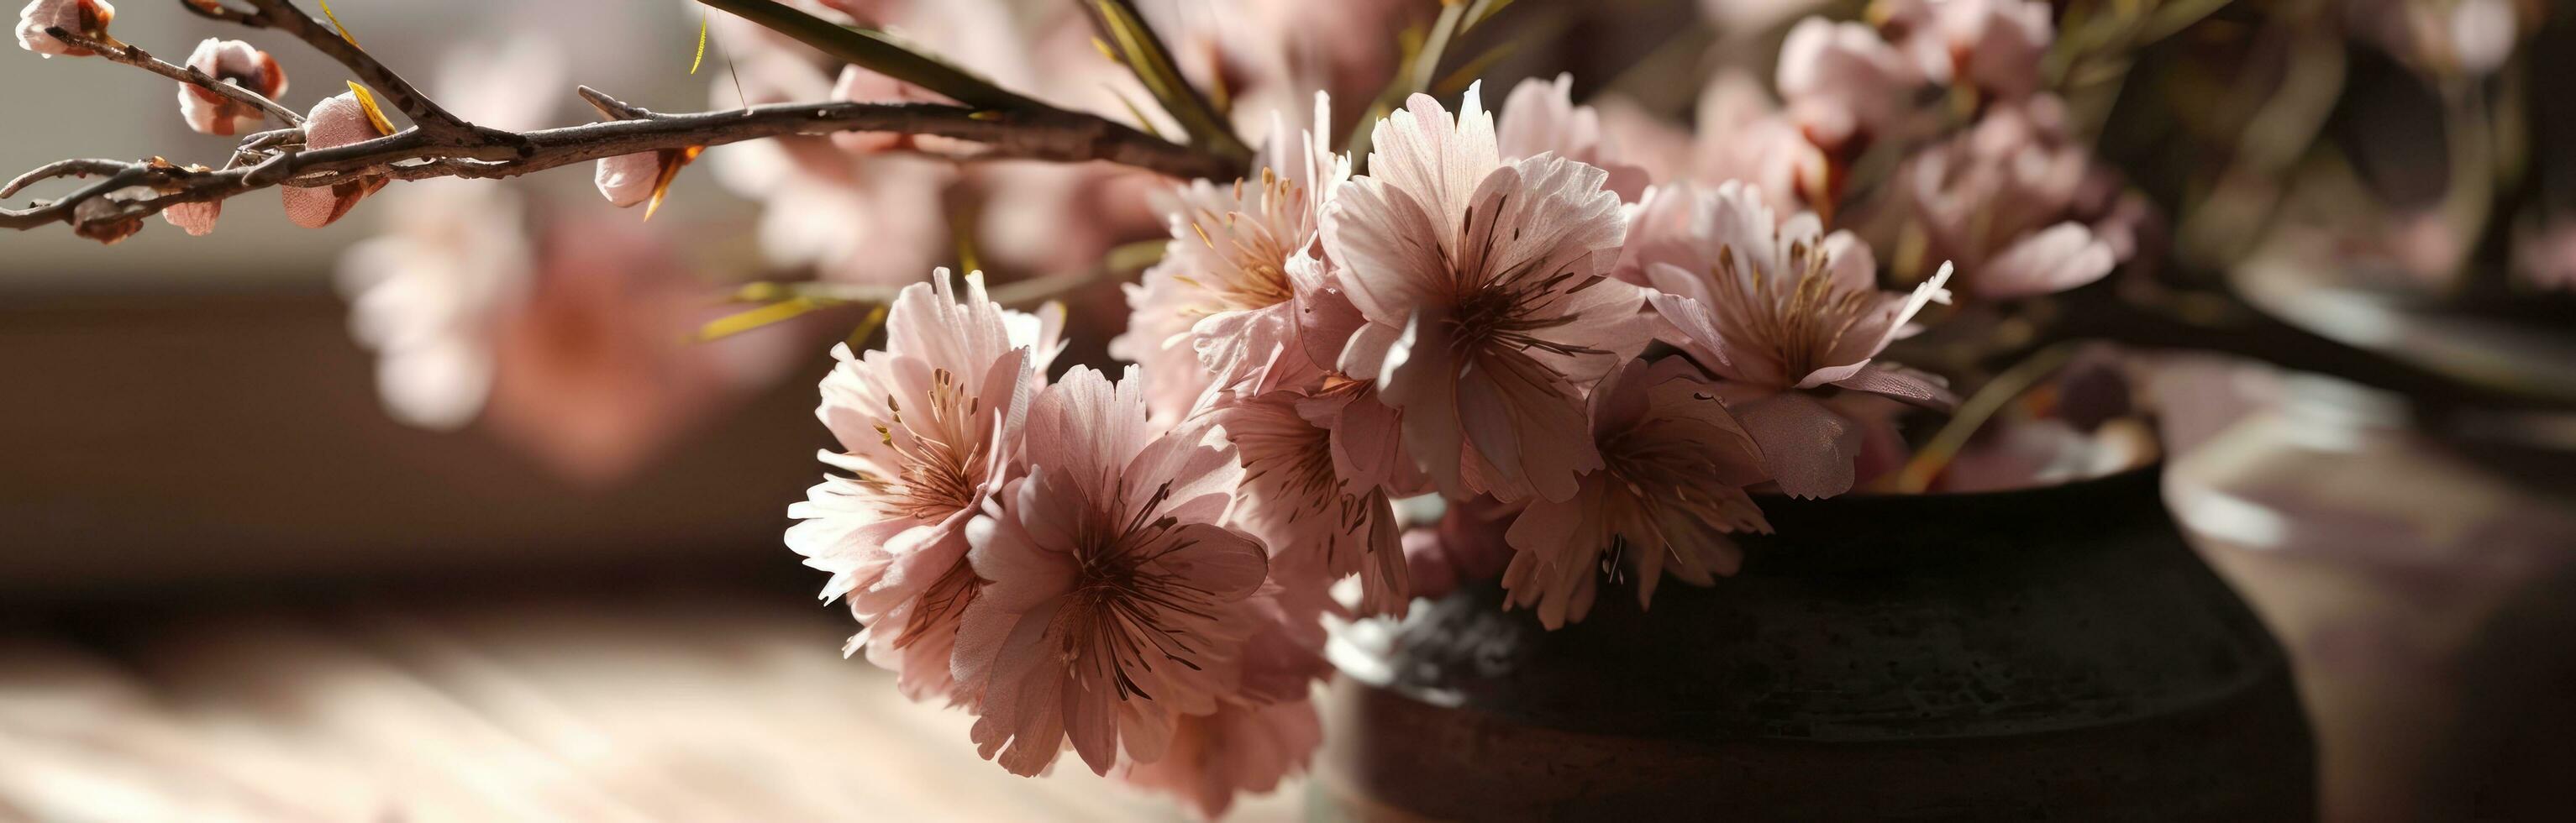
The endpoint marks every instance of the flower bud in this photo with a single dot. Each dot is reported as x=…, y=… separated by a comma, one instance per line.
x=629, y=179
x=229, y=61
x=87, y=18
x=338, y=120
x=197, y=219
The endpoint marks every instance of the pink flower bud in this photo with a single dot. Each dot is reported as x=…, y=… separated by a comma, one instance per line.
x=1842, y=81
x=628, y=179
x=85, y=17
x=197, y=219
x=234, y=62
x=338, y=120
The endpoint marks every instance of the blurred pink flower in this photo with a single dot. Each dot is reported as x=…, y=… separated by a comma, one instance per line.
x=427, y=295
x=1487, y=303
x=1844, y=84
x=1468, y=544
x=930, y=426
x=863, y=86
x=1113, y=594
x=1238, y=748
x=2547, y=258
x=1994, y=44
x=1671, y=488
x=1743, y=135
x=1541, y=117
x=1297, y=500
x=2020, y=206
x=1783, y=315
x=83, y=17
x=235, y=62
x=336, y=121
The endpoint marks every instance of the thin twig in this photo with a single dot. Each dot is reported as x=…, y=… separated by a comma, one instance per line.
x=64, y=168
x=1049, y=134
x=284, y=17
x=131, y=55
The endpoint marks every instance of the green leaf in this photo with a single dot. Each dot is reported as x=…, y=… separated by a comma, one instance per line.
x=1135, y=45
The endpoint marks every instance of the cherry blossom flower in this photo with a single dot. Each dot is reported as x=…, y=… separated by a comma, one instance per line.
x=930, y=425
x=235, y=62
x=1671, y=488
x=338, y=120
x=1296, y=499
x=426, y=296
x=1844, y=84
x=2010, y=200
x=1783, y=315
x=1224, y=297
x=1485, y=293
x=1465, y=546
x=1238, y=748
x=2545, y=258
x=1541, y=116
x=88, y=18
x=1115, y=594
x=1995, y=45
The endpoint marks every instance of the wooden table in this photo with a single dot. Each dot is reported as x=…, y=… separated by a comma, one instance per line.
x=677, y=702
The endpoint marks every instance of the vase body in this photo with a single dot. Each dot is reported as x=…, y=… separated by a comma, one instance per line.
x=2055, y=653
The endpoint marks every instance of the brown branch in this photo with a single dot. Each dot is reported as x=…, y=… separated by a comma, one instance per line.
x=284, y=17
x=131, y=55
x=1048, y=134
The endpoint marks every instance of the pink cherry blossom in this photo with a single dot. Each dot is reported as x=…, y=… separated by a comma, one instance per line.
x=627, y=180
x=1485, y=293
x=1843, y=82
x=930, y=426
x=1743, y=135
x=1467, y=545
x=1994, y=44
x=1541, y=117
x=336, y=121
x=84, y=17
x=1115, y=597
x=1236, y=749
x=1224, y=298
x=235, y=62
x=1671, y=488
x=1297, y=500
x=1783, y=314
x=2020, y=205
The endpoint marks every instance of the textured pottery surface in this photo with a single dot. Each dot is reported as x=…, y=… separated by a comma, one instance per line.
x=2047, y=654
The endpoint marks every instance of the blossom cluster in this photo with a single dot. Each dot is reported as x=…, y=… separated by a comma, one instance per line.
x=1136, y=566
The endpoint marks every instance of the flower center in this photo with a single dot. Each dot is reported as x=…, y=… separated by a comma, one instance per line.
x=1799, y=320
x=1251, y=272
x=942, y=454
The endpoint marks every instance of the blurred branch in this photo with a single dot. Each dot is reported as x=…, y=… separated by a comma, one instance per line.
x=108, y=209
x=131, y=55
x=874, y=51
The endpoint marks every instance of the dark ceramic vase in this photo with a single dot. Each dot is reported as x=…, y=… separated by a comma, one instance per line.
x=2050, y=654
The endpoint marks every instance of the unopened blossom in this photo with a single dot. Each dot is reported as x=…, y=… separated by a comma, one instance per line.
x=1114, y=595
x=197, y=219
x=1784, y=315
x=235, y=62
x=1671, y=487
x=1225, y=297
x=1297, y=500
x=628, y=180
x=1485, y=290
x=87, y=18
x=1844, y=83
x=338, y=120
x=1541, y=116
x=928, y=429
